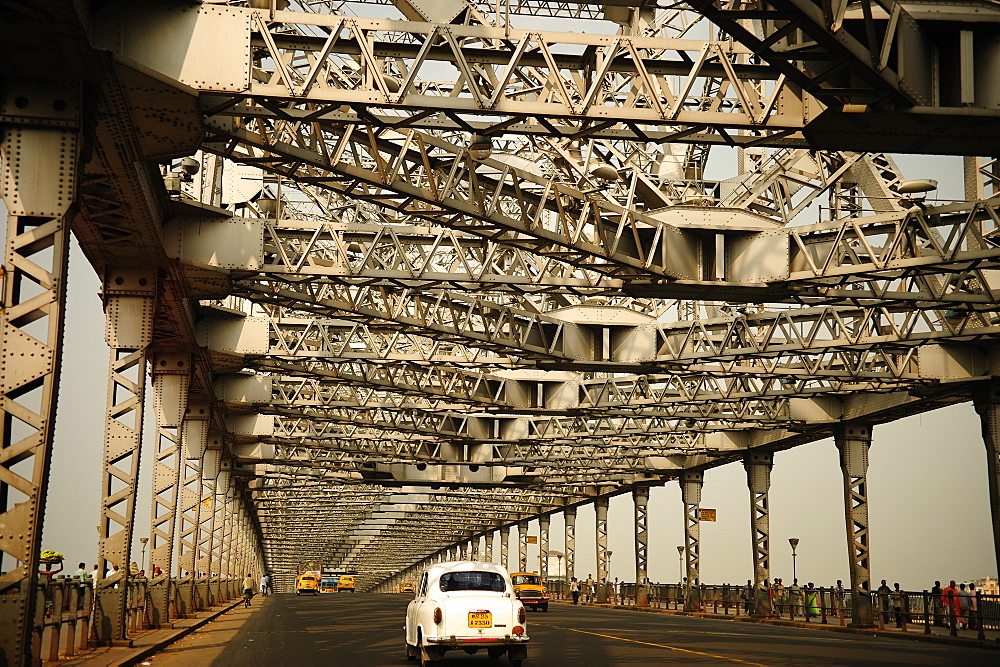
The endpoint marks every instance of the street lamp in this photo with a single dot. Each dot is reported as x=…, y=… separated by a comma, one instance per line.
x=794, y=541
x=142, y=558
x=680, y=563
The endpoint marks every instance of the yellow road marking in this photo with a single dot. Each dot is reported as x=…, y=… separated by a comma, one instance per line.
x=672, y=648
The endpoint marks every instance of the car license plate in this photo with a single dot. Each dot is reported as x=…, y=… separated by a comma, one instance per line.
x=480, y=619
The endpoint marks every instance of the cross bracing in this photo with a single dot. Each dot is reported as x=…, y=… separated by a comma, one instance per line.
x=439, y=274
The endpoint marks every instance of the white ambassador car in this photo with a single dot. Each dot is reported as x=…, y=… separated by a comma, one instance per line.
x=468, y=606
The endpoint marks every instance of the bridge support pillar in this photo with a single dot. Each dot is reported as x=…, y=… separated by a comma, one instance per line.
x=522, y=545
x=505, y=546
x=758, y=466
x=171, y=380
x=543, y=547
x=569, y=542
x=488, y=547
x=129, y=304
x=691, y=483
x=640, y=499
x=987, y=401
x=475, y=547
x=854, y=440
x=601, y=516
x=38, y=185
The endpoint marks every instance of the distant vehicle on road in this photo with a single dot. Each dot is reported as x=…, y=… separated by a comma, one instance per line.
x=406, y=587
x=530, y=590
x=346, y=583
x=306, y=583
x=465, y=605
x=328, y=584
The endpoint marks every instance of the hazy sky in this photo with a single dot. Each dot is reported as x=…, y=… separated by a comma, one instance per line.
x=927, y=481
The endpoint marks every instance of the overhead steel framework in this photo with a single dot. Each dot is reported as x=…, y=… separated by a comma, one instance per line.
x=408, y=274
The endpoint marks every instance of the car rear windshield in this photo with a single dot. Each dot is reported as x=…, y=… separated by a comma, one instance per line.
x=473, y=581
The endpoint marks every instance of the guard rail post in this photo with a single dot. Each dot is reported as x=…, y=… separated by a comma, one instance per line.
x=83, y=632
x=822, y=606
x=927, y=612
x=981, y=632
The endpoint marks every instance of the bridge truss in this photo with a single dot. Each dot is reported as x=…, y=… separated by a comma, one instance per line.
x=404, y=274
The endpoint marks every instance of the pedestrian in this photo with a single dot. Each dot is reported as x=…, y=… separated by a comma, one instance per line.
x=779, y=595
x=157, y=571
x=963, y=604
x=80, y=577
x=937, y=599
x=588, y=592
x=95, y=574
x=897, y=604
x=812, y=600
x=265, y=584
x=973, y=608
x=795, y=597
x=747, y=596
x=883, y=600
x=952, y=604
x=248, y=588
x=574, y=589
x=839, y=598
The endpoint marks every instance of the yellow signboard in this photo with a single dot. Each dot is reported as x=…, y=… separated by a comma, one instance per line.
x=707, y=515
x=532, y=539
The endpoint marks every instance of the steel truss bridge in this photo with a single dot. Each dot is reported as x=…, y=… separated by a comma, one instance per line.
x=403, y=274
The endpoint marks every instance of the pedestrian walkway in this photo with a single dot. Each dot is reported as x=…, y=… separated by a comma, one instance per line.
x=914, y=630
x=147, y=643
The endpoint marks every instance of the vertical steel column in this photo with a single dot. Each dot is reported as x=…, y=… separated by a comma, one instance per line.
x=691, y=483
x=504, y=541
x=569, y=541
x=601, y=516
x=543, y=547
x=522, y=545
x=475, y=547
x=38, y=184
x=853, y=440
x=129, y=303
x=211, y=467
x=640, y=498
x=987, y=401
x=219, y=522
x=171, y=381
x=488, y=547
x=758, y=468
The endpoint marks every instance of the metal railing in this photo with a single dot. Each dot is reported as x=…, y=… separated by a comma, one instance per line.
x=918, y=611
x=73, y=616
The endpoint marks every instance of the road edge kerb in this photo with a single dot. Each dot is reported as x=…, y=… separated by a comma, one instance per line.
x=870, y=632
x=146, y=651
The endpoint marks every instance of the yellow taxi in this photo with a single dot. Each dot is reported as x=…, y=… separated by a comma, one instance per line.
x=406, y=587
x=530, y=590
x=307, y=583
x=346, y=583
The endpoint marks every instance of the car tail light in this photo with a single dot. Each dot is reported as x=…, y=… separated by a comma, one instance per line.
x=520, y=619
x=518, y=629
x=437, y=614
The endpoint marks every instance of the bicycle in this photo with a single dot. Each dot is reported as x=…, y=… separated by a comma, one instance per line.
x=247, y=596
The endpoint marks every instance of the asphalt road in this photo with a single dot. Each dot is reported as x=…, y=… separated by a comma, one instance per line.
x=344, y=629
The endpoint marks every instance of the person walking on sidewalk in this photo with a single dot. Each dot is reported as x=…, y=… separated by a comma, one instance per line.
x=574, y=589
x=897, y=604
x=937, y=598
x=973, y=608
x=883, y=601
x=952, y=604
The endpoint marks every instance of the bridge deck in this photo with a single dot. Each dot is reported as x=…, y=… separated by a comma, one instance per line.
x=366, y=630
